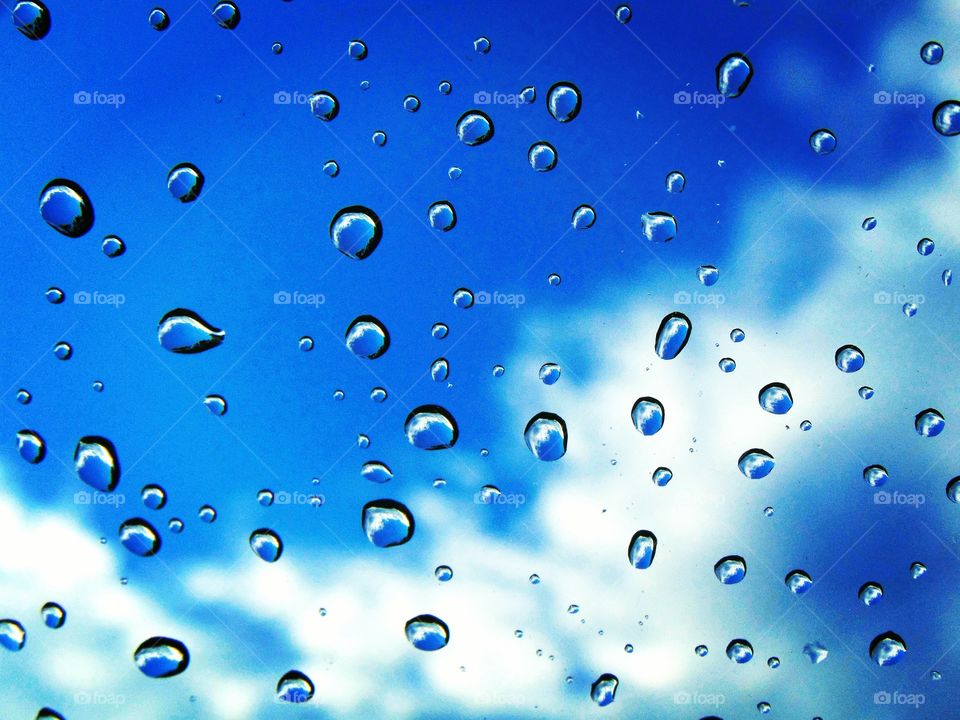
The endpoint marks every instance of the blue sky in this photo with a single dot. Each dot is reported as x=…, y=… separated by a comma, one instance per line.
x=797, y=274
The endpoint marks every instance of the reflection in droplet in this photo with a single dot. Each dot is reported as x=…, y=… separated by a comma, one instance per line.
x=603, y=691
x=658, y=227
x=185, y=181
x=849, y=358
x=542, y=156
x=295, y=687
x=929, y=422
x=324, y=105
x=875, y=475
x=440, y=370
x=411, y=103
x=931, y=52
x=563, y=101
x=946, y=118
x=740, y=651
x=474, y=128
x=734, y=73
x=756, y=463
x=387, y=523
x=32, y=19
x=427, y=632
x=431, y=427
x=925, y=246
x=442, y=216
x=870, y=593
x=482, y=45
x=917, y=570
x=356, y=231
x=185, y=332
x=662, y=476
x=549, y=373
x=161, y=657
x=672, y=335
x=798, y=582
x=776, y=398
x=823, y=141
x=158, y=19
x=215, y=404
x=266, y=544
x=648, y=415
x=367, y=337
x=356, y=50
x=31, y=446
x=153, y=496
x=226, y=14
x=63, y=351
x=95, y=460
x=708, y=275
x=730, y=570
x=676, y=182
x=66, y=208
x=376, y=471
x=139, y=537
x=54, y=616
x=546, y=436
x=887, y=649
x=642, y=549
x=12, y=635
x=584, y=217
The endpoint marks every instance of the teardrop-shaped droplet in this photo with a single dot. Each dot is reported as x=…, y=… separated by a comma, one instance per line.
x=546, y=436
x=431, y=427
x=563, y=101
x=474, y=128
x=672, y=335
x=139, y=537
x=776, y=398
x=32, y=19
x=12, y=635
x=215, y=404
x=730, y=570
x=356, y=231
x=53, y=614
x=584, y=217
x=367, y=337
x=66, y=208
x=295, y=687
x=823, y=141
x=887, y=649
x=266, y=544
x=756, y=463
x=183, y=331
x=642, y=549
x=95, y=460
x=648, y=415
x=442, y=216
x=734, y=73
x=542, y=156
x=427, y=632
x=387, y=523
x=658, y=226
x=662, y=476
x=376, y=471
x=740, y=651
x=528, y=95
x=870, y=593
x=185, y=181
x=849, y=358
x=946, y=118
x=675, y=181
x=161, y=657
x=603, y=691
x=798, y=582
x=226, y=14
x=31, y=446
x=929, y=422
x=440, y=370
x=549, y=373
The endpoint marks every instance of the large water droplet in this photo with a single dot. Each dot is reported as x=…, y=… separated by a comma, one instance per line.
x=849, y=358
x=776, y=398
x=740, y=651
x=642, y=549
x=266, y=544
x=95, y=460
x=324, y=105
x=356, y=50
x=546, y=436
x=12, y=635
x=53, y=614
x=542, y=156
x=367, y=337
x=734, y=73
x=584, y=217
x=648, y=415
x=427, y=632
x=823, y=141
x=658, y=227
x=65, y=207
x=563, y=101
x=226, y=14
x=870, y=593
x=295, y=687
x=672, y=335
x=887, y=649
x=431, y=427
x=185, y=181
x=756, y=463
x=139, y=537
x=946, y=118
x=730, y=570
x=183, y=331
x=387, y=523
x=153, y=496
x=931, y=52
x=798, y=582
x=603, y=691
x=929, y=422
x=440, y=370
x=356, y=231
x=474, y=128
x=32, y=18
x=161, y=657
x=442, y=216
x=376, y=471
x=549, y=373
x=31, y=446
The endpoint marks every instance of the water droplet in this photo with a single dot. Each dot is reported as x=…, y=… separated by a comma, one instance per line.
x=728, y=365
x=356, y=50
x=528, y=95
x=24, y=397
x=734, y=73
x=443, y=573
x=376, y=471
x=431, y=427
x=773, y=663
x=642, y=549
x=798, y=582
x=54, y=616
x=65, y=207
x=183, y=331
x=31, y=446
x=931, y=52
x=701, y=650
x=427, y=632
x=730, y=570
x=658, y=227
x=54, y=295
x=215, y=404
x=875, y=475
x=161, y=657
x=672, y=335
x=153, y=496
x=113, y=246
x=158, y=19
x=756, y=463
x=175, y=525
x=474, y=128
x=411, y=103
x=482, y=45
x=870, y=593
x=295, y=687
x=823, y=141
x=498, y=370
x=139, y=537
x=226, y=14
x=95, y=460
x=207, y=514
x=379, y=138
x=662, y=476
x=740, y=651
x=546, y=436
x=604, y=689
x=929, y=422
x=542, y=156
x=440, y=370
x=387, y=523
x=623, y=14
x=367, y=337
x=554, y=280
x=356, y=231
x=849, y=358
x=324, y=105
x=737, y=335
x=266, y=544
x=676, y=182
x=12, y=635
x=648, y=415
x=584, y=217
x=463, y=298
x=925, y=246
x=277, y=48
x=439, y=331
x=549, y=373
x=378, y=394
x=776, y=398
x=887, y=649
x=444, y=87
x=32, y=18
x=869, y=223
x=947, y=278
x=563, y=101
x=63, y=351
x=454, y=172
x=442, y=216
x=331, y=168
x=265, y=497
x=185, y=181
x=708, y=275
x=917, y=570
x=866, y=392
